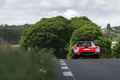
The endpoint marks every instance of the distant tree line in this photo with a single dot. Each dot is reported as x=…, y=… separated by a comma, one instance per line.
x=110, y=33
x=12, y=33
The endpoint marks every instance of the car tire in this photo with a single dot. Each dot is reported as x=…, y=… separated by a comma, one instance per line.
x=97, y=57
x=74, y=56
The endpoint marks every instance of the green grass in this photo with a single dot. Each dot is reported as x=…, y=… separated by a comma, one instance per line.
x=15, y=45
x=113, y=44
x=16, y=64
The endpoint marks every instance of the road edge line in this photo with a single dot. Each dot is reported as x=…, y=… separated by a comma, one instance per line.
x=61, y=62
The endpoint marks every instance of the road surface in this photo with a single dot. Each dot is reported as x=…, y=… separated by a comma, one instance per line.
x=87, y=69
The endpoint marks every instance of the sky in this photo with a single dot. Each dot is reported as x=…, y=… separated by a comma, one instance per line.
x=20, y=12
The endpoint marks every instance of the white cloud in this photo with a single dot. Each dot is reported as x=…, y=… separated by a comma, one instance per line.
x=47, y=4
x=108, y=5
x=112, y=8
x=104, y=20
x=68, y=13
x=12, y=1
x=100, y=2
x=30, y=11
x=100, y=20
x=71, y=13
x=51, y=14
x=83, y=3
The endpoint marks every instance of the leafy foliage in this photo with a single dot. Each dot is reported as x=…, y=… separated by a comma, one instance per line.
x=51, y=33
x=116, y=50
x=87, y=32
x=59, y=34
x=112, y=32
x=105, y=47
x=119, y=37
x=20, y=65
x=12, y=33
x=78, y=22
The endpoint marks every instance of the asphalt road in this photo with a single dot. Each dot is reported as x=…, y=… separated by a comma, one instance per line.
x=87, y=69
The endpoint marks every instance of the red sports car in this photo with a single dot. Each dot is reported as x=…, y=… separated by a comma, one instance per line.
x=84, y=49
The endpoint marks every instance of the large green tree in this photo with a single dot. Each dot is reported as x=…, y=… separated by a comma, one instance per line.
x=59, y=34
x=87, y=32
x=51, y=33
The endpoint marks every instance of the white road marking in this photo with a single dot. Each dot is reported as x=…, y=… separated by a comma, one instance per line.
x=67, y=74
x=62, y=61
x=64, y=67
x=63, y=64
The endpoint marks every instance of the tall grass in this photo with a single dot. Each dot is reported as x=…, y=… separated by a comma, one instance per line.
x=16, y=64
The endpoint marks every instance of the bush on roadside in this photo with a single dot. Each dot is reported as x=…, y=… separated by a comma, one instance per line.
x=116, y=50
x=19, y=65
x=105, y=47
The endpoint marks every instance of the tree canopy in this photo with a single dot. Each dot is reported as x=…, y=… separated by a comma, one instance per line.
x=59, y=34
x=78, y=22
x=52, y=33
x=87, y=32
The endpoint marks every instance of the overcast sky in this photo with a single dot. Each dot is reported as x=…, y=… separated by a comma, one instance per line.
x=19, y=12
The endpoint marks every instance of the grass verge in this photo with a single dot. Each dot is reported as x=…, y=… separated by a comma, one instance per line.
x=16, y=64
x=113, y=44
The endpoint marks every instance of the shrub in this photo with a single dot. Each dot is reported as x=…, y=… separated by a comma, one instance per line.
x=116, y=50
x=20, y=65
